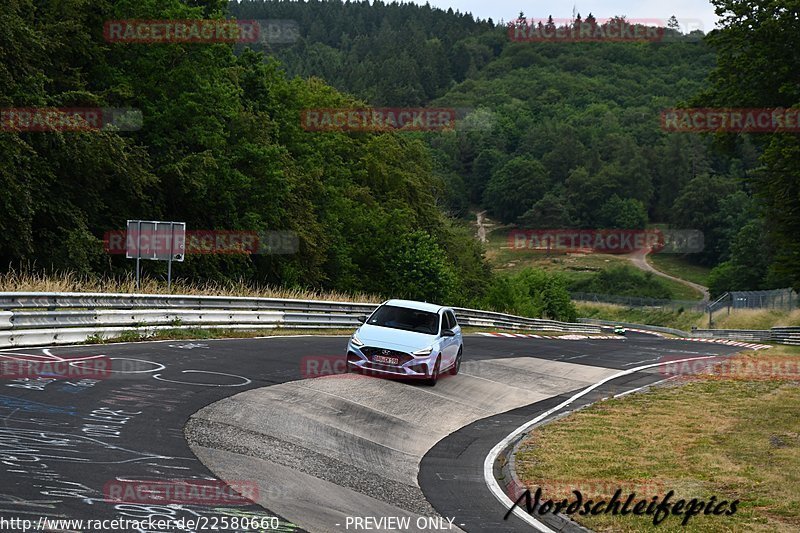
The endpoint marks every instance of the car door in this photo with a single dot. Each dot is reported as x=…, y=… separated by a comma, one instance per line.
x=449, y=344
x=457, y=339
x=456, y=329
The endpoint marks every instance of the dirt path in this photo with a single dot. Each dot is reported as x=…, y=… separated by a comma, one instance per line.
x=639, y=259
x=484, y=226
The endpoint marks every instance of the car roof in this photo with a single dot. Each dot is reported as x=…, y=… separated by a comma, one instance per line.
x=411, y=304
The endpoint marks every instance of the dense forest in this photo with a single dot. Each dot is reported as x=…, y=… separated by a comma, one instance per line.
x=570, y=137
x=574, y=137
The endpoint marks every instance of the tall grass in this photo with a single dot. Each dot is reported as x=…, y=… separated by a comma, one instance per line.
x=31, y=281
x=738, y=319
x=671, y=318
x=754, y=319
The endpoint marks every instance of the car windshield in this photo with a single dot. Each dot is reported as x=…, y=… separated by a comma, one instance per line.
x=390, y=316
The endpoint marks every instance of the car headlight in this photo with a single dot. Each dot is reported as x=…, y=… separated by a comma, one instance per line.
x=423, y=352
x=356, y=341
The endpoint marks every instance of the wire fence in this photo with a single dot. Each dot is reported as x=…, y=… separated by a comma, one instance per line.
x=775, y=299
x=784, y=299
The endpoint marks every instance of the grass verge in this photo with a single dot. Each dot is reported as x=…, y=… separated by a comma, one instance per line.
x=736, y=439
x=678, y=266
x=13, y=281
x=754, y=319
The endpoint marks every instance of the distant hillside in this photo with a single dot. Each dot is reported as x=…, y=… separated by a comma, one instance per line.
x=389, y=54
x=570, y=133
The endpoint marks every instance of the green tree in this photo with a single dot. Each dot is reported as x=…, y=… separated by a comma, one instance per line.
x=417, y=270
x=515, y=187
x=622, y=213
x=749, y=265
x=551, y=212
x=532, y=293
x=484, y=166
x=699, y=207
x=756, y=65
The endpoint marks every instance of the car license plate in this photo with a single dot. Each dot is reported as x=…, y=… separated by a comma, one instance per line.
x=387, y=360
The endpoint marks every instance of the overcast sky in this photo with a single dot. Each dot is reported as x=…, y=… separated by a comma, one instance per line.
x=693, y=14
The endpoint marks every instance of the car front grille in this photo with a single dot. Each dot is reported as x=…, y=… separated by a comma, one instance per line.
x=371, y=352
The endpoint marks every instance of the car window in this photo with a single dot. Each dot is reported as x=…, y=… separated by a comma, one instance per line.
x=390, y=316
x=452, y=318
x=446, y=321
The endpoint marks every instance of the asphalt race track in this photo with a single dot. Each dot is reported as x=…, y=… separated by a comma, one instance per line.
x=321, y=449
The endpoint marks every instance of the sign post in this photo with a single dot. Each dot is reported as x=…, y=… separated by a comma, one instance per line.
x=157, y=241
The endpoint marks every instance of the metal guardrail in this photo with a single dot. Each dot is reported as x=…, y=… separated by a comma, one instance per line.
x=475, y=317
x=735, y=334
x=10, y=301
x=786, y=335
x=779, y=335
x=32, y=319
x=646, y=327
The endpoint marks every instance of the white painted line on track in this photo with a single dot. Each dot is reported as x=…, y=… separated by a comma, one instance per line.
x=642, y=361
x=488, y=464
x=577, y=357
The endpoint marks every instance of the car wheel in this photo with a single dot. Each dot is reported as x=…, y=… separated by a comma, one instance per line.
x=457, y=364
x=435, y=374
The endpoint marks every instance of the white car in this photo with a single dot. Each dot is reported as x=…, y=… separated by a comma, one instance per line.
x=407, y=339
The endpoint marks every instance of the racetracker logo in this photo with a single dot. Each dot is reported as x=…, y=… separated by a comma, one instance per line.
x=378, y=119
x=159, y=242
x=616, y=29
x=732, y=120
x=36, y=119
x=34, y=367
x=181, y=492
x=319, y=366
x=740, y=367
x=607, y=241
x=272, y=31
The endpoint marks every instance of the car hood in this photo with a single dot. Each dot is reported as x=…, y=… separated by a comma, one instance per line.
x=394, y=338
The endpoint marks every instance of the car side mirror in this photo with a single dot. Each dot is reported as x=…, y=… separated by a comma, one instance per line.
x=361, y=319
x=448, y=333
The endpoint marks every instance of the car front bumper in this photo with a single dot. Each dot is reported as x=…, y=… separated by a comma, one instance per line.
x=413, y=367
